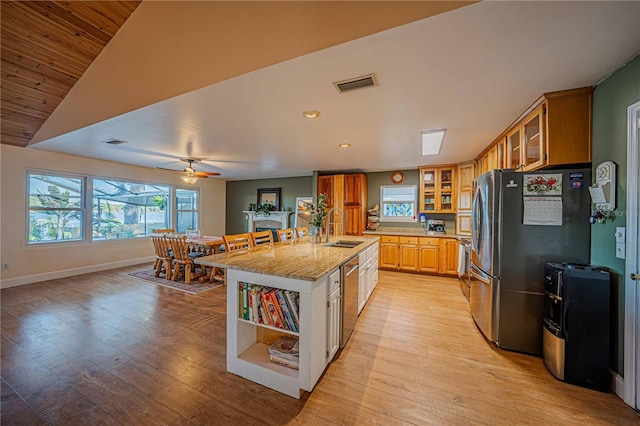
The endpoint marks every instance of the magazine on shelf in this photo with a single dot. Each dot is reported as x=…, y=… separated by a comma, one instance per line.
x=286, y=348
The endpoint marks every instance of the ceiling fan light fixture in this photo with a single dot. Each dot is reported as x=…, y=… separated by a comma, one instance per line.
x=189, y=179
x=311, y=114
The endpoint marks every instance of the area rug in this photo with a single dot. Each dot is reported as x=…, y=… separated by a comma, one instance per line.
x=194, y=288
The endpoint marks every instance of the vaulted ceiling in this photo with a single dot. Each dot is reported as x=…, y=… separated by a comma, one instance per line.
x=46, y=47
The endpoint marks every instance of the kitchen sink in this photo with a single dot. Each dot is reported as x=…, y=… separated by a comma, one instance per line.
x=344, y=244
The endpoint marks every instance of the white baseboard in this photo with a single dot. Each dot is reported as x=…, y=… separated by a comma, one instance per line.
x=30, y=279
x=617, y=384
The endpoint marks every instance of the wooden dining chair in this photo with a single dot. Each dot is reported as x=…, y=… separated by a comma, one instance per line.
x=302, y=231
x=183, y=260
x=236, y=242
x=261, y=238
x=285, y=234
x=163, y=231
x=163, y=262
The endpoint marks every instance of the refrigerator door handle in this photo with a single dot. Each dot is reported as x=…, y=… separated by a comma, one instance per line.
x=479, y=275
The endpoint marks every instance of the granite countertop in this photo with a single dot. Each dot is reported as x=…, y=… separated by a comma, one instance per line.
x=413, y=232
x=301, y=259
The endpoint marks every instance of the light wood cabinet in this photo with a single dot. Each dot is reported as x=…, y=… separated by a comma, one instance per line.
x=448, y=262
x=438, y=189
x=349, y=194
x=463, y=223
x=429, y=254
x=408, y=254
x=389, y=252
x=435, y=255
x=554, y=131
x=466, y=173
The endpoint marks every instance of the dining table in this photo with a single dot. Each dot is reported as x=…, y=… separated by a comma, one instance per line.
x=207, y=245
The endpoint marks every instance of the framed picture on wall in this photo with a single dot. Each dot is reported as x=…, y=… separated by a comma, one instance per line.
x=270, y=196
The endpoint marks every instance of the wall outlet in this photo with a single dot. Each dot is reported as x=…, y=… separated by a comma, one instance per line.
x=5, y=266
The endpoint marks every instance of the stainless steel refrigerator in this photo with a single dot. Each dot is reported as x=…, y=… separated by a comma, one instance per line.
x=521, y=221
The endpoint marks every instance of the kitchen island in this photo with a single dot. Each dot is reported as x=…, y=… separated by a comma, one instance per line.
x=306, y=276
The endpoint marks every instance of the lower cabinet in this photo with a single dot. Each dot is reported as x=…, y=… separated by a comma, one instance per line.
x=429, y=255
x=408, y=247
x=434, y=255
x=334, y=312
x=368, y=277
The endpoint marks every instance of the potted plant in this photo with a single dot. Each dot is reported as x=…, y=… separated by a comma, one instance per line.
x=318, y=215
x=264, y=209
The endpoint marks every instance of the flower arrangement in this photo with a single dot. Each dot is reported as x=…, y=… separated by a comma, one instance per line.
x=539, y=184
x=318, y=211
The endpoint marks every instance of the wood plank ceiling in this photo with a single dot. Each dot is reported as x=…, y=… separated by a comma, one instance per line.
x=46, y=47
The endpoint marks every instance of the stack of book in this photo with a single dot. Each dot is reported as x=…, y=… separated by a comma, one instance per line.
x=271, y=306
x=285, y=352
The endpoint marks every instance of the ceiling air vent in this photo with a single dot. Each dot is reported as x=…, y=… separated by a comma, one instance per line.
x=368, y=80
x=113, y=141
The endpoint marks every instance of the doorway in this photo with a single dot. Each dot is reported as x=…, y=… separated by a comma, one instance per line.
x=632, y=264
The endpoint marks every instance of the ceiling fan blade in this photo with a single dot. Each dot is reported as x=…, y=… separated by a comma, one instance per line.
x=206, y=174
x=171, y=170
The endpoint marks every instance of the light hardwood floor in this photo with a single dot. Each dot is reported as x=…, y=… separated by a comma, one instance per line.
x=107, y=348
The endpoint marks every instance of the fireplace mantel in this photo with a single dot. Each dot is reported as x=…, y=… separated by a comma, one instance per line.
x=282, y=219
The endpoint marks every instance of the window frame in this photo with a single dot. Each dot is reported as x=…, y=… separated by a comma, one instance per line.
x=86, y=209
x=176, y=212
x=414, y=201
x=92, y=179
x=82, y=208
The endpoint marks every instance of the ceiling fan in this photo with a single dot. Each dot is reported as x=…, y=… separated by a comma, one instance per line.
x=190, y=175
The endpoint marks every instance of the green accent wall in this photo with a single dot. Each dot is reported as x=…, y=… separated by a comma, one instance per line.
x=411, y=177
x=610, y=102
x=244, y=192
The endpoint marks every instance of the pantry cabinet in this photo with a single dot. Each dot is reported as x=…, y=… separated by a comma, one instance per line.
x=348, y=192
x=466, y=174
x=438, y=189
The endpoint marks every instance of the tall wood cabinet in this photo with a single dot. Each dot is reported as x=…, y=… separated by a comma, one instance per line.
x=465, y=196
x=554, y=131
x=348, y=192
x=438, y=189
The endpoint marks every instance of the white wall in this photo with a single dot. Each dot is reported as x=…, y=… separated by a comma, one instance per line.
x=28, y=264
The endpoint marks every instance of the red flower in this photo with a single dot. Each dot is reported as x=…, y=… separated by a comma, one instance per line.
x=551, y=181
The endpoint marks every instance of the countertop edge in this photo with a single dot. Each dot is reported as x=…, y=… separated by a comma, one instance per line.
x=209, y=261
x=416, y=234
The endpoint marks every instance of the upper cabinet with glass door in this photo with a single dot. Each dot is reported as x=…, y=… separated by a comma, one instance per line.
x=438, y=189
x=554, y=131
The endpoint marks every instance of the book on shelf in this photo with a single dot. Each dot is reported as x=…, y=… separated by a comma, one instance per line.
x=284, y=362
x=270, y=306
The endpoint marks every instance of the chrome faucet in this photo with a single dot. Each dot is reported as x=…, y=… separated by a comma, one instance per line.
x=341, y=223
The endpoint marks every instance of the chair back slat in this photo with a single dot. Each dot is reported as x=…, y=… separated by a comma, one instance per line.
x=285, y=234
x=180, y=248
x=261, y=238
x=237, y=242
x=163, y=231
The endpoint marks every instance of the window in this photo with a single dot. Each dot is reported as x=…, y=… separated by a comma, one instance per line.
x=186, y=209
x=398, y=203
x=128, y=209
x=55, y=208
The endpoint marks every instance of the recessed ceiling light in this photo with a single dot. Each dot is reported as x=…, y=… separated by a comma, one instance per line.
x=431, y=141
x=344, y=145
x=311, y=114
